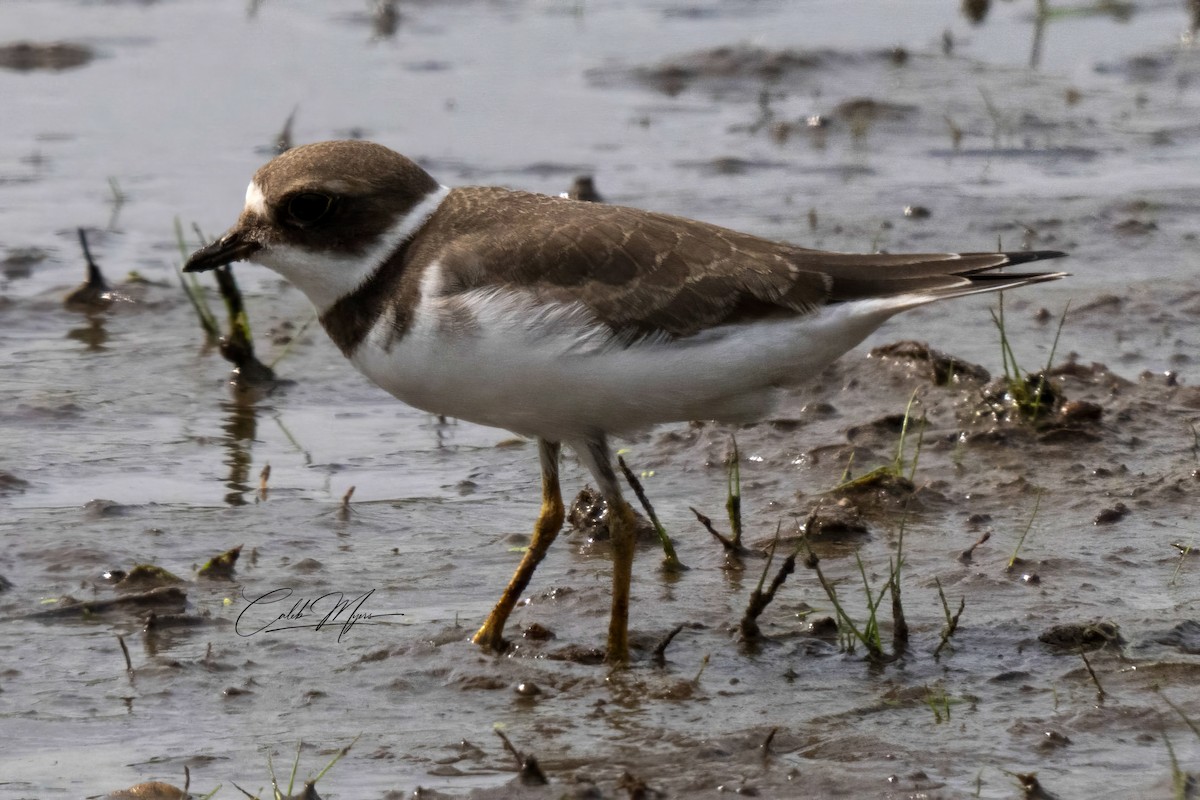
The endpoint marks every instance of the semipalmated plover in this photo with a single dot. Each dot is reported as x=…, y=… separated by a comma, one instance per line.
x=567, y=321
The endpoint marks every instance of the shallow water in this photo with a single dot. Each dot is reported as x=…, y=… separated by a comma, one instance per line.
x=1094, y=152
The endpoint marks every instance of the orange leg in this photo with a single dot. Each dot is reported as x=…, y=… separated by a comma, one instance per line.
x=621, y=526
x=549, y=522
x=593, y=454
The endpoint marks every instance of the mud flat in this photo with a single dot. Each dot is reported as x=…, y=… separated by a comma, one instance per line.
x=1044, y=521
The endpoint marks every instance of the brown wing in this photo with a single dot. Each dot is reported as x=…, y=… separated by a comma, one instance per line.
x=641, y=272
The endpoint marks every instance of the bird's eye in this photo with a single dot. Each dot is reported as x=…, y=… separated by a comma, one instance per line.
x=308, y=208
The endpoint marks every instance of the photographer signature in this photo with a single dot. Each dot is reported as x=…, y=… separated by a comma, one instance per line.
x=326, y=611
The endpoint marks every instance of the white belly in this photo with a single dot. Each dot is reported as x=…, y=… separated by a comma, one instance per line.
x=499, y=359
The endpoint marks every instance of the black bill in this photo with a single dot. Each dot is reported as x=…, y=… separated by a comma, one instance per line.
x=233, y=246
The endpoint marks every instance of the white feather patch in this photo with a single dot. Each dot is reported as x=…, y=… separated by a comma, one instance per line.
x=553, y=371
x=256, y=202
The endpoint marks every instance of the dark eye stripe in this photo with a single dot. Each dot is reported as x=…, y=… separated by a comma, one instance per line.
x=308, y=208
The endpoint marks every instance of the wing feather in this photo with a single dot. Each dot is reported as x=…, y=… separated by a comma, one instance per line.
x=643, y=273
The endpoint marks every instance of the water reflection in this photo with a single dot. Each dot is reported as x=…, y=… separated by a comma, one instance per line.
x=93, y=334
x=241, y=429
x=976, y=12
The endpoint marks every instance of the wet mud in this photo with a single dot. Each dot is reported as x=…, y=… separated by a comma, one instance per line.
x=201, y=581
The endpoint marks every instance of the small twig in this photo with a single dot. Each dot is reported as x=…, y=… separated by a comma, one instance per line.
x=732, y=548
x=1031, y=788
x=125, y=652
x=94, y=293
x=733, y=503
x=1179, y=778
x=1100, y=693
x=966, y=555
x=703, y=666
x=1036, y=504
x=336, y=758
x=1184, y=552
x=118, y=197
x=508, y=745
x=345, y=508
x=766, y=745
x=759, y=600
x=238, y=346
x=951, y=620
x=531, y=772
x=726, y=542
x=670, y=559
x=528, y=769
x=899, y=623
x=956, y=133
x=94, y=276
x=659, y=656
x=1187, y=720
x=846, y=474
x=283, y=141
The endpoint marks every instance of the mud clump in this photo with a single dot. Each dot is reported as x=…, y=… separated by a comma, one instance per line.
x=882, y=492
x=50, y=56
x=11, y=484
x=142, y=577
x=731, y=66
x=154, y=790
x=1110, y=516
x=860, y=112
x=944, y=369
x=19, y=262
x=726, y=63
x=169, y=599
x=1082, y=636
x=1185, y=637
x=221, y=567
x=589, y=514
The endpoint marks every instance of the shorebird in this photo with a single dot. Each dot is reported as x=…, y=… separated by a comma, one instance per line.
x=567, y=321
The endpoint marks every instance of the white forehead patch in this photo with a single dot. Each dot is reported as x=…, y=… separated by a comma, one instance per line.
x=255, y=201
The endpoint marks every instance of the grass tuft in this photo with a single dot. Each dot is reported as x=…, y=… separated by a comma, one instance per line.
x=851, y=635
x=1030, y=394
x=1021, y=541
x=195, y=293
x=896, y=469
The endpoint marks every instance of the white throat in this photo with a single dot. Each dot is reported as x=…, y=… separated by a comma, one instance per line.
x=325, y=278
